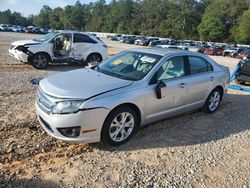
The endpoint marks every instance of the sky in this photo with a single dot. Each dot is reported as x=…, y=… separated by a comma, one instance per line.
x=27, y=7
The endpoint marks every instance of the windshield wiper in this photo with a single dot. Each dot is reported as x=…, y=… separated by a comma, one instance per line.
x=117, y=75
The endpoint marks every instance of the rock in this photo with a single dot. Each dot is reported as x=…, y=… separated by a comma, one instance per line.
x=10, y=157
x=10, y=149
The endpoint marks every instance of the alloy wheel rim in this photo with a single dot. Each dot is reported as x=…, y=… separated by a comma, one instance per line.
x=40, y=61
x=121, y=127
x=214, y=101
x=94, y=59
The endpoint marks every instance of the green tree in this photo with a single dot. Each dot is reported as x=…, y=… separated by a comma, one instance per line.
x=66, y=17
x=6, y=17
x=242, y=33
x=97, y=17
x=42, y=19
x=212, y=29
x=54, y=18
x=77, y=16
x=221, y=16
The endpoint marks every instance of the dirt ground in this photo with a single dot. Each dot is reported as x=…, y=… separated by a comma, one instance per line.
x=191, y=150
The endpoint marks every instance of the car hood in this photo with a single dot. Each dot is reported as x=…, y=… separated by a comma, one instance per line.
x=25, y=42
x=80, y=84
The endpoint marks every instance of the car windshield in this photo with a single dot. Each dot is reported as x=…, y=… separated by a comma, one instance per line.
x=46, y=37
x=129, y=65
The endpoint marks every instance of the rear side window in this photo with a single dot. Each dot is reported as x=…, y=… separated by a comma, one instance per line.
x=80, y=38
x=199, y=65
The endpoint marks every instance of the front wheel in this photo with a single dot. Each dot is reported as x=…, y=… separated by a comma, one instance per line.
x=40, y=61
x=213, y=101
x=119, y=126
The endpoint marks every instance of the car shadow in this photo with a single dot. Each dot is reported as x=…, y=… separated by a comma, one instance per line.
x=62, y=67
x=231, y=118
x=23, y=182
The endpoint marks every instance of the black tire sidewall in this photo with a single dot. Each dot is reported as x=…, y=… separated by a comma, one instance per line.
x=206, y=105
x=91, y=55
x=239, y=82
x=105, y=137
x=39, y=67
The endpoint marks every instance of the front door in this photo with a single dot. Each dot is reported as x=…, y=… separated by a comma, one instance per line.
x=172, y=73
x=62, y=45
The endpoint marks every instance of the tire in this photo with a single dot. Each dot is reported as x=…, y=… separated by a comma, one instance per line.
x=236, y=81
x=239, y=82
x=94, y=59
x=115, y=131
x=213, y=101
x=40, y=61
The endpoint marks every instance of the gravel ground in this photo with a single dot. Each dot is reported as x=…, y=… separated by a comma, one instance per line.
x=192, y=150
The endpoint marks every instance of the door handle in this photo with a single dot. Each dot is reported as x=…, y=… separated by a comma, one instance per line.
x=212, y=78
x=182, y=85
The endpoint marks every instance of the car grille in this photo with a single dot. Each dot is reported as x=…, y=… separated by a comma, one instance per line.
x=44, y=102
x=11, y=47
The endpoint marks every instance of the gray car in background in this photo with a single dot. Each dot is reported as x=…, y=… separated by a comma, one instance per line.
x=129, y=90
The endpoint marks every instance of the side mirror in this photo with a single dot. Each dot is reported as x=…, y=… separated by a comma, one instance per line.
x=160, y=92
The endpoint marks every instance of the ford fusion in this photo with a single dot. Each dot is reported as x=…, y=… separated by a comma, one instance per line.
x=134, y=88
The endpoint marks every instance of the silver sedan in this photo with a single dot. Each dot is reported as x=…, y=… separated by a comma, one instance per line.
x=137, y=87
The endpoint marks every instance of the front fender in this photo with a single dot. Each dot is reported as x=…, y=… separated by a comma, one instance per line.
x=44, y=48
x=111, y=100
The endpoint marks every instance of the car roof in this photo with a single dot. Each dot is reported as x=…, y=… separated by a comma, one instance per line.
x=72, y=31
x=164, y=51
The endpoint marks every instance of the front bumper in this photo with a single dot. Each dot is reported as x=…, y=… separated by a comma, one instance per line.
x=21, y=56
x=90, y=121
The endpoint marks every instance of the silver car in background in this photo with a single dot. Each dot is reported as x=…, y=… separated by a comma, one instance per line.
x=129, y=90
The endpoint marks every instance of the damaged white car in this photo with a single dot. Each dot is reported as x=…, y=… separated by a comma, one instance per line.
x=60, y=47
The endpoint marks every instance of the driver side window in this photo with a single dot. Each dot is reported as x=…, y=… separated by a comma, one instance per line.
x=172, y=68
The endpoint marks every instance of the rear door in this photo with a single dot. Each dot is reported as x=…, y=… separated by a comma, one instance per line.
x=82, y=45
x=200, y=80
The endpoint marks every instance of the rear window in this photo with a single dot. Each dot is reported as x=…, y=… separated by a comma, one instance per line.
x=199, y=65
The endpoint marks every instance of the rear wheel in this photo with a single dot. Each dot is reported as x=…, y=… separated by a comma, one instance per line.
x=213, y=101
x=40, y=61
x=119, y=126
x=94, y=59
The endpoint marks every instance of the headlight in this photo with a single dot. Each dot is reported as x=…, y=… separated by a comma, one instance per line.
x=66, y=107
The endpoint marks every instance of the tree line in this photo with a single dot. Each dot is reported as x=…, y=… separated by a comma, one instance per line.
x=210, y=20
